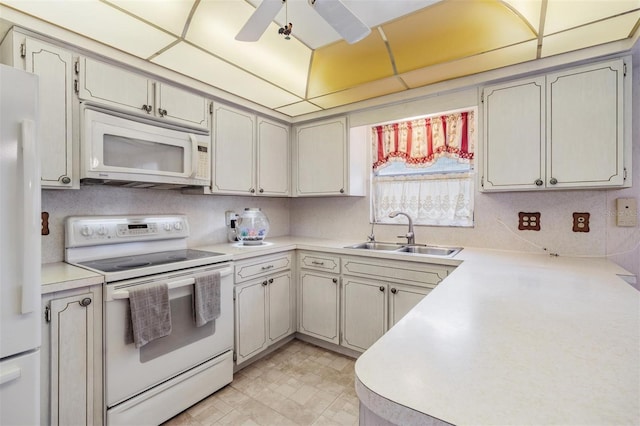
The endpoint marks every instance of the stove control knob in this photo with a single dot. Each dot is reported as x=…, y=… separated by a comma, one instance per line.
x=167, y=227
x=85, y=231
x=178, y=226
x=102, y=231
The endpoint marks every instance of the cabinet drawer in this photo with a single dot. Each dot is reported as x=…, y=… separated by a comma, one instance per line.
x=425, y=275
x=320, y=262
x=262, y=266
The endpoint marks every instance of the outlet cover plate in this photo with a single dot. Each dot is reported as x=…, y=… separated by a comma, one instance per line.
x=529, y=221
x=627, y=212
x=581, y=222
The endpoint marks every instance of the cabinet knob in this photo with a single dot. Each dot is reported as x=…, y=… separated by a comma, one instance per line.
x=252, y=190
x=264, y=282
x=146, y=108
x=162, y=112
x=85, y=302
x=335, y=280
x=553, y=181
x=394, y=290
x=261, y=190
x=539, y=182
x=381, y=288
x=65, y=179
x=342, y=190
x=270, y=280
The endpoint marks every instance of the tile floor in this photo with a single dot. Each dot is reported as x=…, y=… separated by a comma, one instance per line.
x=299, y=384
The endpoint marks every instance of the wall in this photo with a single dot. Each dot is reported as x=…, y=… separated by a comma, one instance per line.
x=496, y=214
x=205, y=212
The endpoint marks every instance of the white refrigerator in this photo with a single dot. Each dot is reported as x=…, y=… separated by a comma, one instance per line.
x=20, y=249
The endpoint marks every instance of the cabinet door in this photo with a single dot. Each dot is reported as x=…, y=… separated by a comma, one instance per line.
x=514, y=138
x=280, y=291
x=402, y=299
x=54, y=67
x=321, y=163
x=364, y=313
x=180, y=106
x=318, y=304
x=115, y=87
x=72, y=363
x=274, y=167
x=251, y=314
x=585, y=132
x=234, y=151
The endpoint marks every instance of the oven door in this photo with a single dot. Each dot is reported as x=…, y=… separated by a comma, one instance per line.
x=118, y=148
x=130, y=371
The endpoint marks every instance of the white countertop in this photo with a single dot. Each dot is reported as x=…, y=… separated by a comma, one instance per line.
x=61, y=276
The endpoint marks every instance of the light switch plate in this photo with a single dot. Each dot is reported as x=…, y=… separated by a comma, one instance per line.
x=626, y=212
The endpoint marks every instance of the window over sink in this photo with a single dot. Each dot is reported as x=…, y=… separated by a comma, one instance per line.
x=424, y=166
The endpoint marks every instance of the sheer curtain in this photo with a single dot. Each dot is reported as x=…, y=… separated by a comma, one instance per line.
x=444, y=199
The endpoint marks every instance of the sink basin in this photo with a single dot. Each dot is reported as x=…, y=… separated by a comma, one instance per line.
x=377, y=246
x=431, y=250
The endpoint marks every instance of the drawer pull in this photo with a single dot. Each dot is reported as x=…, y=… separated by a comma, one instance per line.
x=315, y=262
x=265, y=268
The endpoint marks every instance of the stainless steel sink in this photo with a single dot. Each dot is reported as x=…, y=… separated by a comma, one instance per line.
x=431, y=250
x=374, y=245
x=408, y=249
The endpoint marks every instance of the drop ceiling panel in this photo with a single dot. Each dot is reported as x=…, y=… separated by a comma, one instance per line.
x=472, y=65
x=590, y=35
x=563, y=14
x=374, y=89
x=99, y=21
x=171, y=15
x=299, y=108
x=283, y=62
x=340, y=65
x=452, y=30
x=529, y=10
x=195, y=63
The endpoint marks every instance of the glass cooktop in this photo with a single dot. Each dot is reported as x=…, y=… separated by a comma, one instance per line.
x=126, y=263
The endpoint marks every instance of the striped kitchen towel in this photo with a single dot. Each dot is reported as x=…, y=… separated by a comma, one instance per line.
x=206, y=298
x=150, y=313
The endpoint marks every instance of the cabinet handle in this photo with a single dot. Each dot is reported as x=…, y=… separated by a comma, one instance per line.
x=65, y=179
x=342, y=190
x=539, y=182
x=394, y=290
x=553, y=181
x=252, y=190
x=261, y=190
x=264, y=283
x=162, y=112
x=381, y=288
x=335, y=280
x=146, y=108
x=270, y=280
x=315, y=262
x=85, y=302
x=264, y=268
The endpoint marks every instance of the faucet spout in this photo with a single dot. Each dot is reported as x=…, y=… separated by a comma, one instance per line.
x=410, y=235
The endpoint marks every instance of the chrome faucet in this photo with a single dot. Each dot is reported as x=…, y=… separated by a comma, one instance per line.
x=410, y=235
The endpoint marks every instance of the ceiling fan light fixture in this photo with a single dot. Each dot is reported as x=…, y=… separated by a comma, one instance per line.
x=348, y=25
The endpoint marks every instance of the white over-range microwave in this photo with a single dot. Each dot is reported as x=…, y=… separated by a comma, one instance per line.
x=116, y=149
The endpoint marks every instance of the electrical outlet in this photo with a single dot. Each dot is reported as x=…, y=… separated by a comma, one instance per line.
x=44, y=216
x=581, y=222
x=529, y=221
x=627, y=212
x=228, y=216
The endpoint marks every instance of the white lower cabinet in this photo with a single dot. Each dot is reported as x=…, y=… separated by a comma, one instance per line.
x=71, y=367
x=364, y=312
x=264, y=305
x=319, y=305
x=403, y=298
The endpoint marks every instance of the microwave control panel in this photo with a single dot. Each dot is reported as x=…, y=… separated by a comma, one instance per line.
x=202, y=168
x=94, y=230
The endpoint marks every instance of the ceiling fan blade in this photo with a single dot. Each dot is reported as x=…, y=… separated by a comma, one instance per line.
x=348, y=25
x=260, y=20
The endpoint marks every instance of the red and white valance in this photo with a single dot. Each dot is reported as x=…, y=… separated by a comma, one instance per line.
x=420, y=142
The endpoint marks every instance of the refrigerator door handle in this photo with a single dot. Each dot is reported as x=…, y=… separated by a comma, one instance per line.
x=31, y=205
x=9, y=376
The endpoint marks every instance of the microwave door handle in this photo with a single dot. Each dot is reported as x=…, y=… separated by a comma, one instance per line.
x=123, y=294
x=194, y=155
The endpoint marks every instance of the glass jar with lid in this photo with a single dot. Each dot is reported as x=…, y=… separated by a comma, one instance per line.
x=252, y=226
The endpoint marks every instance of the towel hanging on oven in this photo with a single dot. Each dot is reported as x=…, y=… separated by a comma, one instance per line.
x=206, y=298
x=150, y=313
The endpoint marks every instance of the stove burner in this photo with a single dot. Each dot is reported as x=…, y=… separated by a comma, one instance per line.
x=126, y=263
x=133, y=265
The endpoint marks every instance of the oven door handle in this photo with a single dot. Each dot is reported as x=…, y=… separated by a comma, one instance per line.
x=124, y=294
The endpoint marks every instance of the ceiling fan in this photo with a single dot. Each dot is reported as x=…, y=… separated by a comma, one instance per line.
x=348, y=25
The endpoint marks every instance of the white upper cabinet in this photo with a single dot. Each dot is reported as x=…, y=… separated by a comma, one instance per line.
x=54, y=67
x=250, y=155
x=123, y=90
x=325, y=161
x=567, y=129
